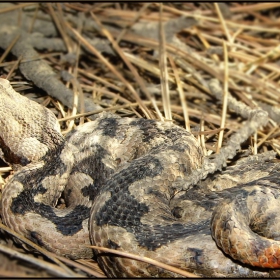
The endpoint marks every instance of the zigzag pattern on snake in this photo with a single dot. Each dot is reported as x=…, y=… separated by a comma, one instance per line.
x=122, y=180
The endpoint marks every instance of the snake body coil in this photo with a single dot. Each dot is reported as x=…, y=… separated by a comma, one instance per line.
x=122, y=181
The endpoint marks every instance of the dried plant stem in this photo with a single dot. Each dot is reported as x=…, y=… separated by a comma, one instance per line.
x=80, y=266
x=225, y=100
x=20, y=6
x=113, y=108
x=8, y=49
x=52, y=269
x=147, y=260
x=15, y=66
x=163, y=70
x=59, y=27
x=223, y=24
x=181, y=94
x=137, y=16
x=39, y=249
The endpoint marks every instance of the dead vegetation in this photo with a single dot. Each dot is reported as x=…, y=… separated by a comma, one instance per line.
x=182, y=62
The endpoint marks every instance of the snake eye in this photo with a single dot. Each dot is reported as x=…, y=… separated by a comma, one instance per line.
x=177, y=212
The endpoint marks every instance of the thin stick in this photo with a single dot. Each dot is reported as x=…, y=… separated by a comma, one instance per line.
x=13, y=68
x=5, y=169
x=9, y=48
x=255, y=140
x=221, y=18
x=202, y=137
x=35, y=246
x=80, y=266
x=51, y=268
x=19, y=6
x=163, y=70
x=59, y=27
x=267, y=136
x=30, y=29
x=137, y=16
x=147, y=260
x=181, y=93
x=113, y=108
x=225, y=100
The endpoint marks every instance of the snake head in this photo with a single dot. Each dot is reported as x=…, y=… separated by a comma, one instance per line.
x=28, y=130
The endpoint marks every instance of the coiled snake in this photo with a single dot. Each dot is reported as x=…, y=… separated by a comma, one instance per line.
x=122, y=182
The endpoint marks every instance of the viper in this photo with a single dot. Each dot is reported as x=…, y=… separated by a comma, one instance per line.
x=122, y=180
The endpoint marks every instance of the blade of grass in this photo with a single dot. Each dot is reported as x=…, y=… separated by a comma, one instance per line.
x=163, y=70
x=181, y=93
x=51, y=268
x=36, y=247
x=225, y=99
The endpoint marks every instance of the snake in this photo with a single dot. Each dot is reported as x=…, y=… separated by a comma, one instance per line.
x=122, y=183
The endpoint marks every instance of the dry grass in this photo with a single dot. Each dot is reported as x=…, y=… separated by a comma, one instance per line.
x=160, y=74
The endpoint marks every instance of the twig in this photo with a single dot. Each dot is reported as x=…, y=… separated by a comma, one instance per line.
x=39, y=249
x=13, y=68
x=80, y=266
x=163, y=70
x=113, y=108
x=138, y=15
x=8, y=49
x=52, y=269
x=59, y=27
x=225, y=99
x=220, y=15
x=16, y=7
x=181, y=94
x=147, y=260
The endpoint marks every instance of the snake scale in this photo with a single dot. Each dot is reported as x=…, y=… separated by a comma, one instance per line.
x=122, y=180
